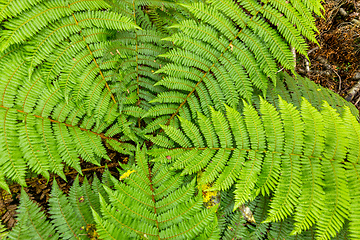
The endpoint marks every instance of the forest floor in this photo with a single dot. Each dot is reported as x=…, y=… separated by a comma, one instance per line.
x=334, y=63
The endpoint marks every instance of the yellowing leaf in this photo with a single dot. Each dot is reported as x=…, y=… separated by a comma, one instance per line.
x=126, y=175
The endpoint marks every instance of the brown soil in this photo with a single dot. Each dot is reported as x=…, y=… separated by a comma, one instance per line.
x=334, y=63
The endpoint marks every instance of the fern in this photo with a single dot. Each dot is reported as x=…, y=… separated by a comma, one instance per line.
x=227, y=53
x=3, y=231
x=293, y=90
x=165, y=207
x=54, y=107
x=196, y=82
x=70, y=216
x=296, y=147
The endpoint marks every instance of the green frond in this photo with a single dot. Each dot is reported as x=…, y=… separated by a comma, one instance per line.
x=216, y=165
x=159, y=110
x=62, y=215
x=170, y=97
x=177, y=136
x=32, y=222
x=207, y=129
x=40, y=16
x=293, y=156
x=15, y=7
x=260, y=207
x=47, y=140
x=161, y=141
x=3, y=232
x=288, y=190
x=352, y=176
x=337, y=200
x=236, y=228
x=238, y=149
x=247, y=179
x=54, y=85
x=275, y=138
x=12, y=164
x=192, y=131
x=254, y=127
x=353, y=138
x=281, y=230
x=70, y=215
x=294, y=89
x=3, y=183
x=221, y=128
x=165, y=207
x=231, y=171
x=233, y=48
x=312, y=199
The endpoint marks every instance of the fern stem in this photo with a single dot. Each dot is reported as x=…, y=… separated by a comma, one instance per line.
x=137, y=61
x=252, y=150
x=153, y=198
x=66, y=124
x=216, y=61
x=97, y=65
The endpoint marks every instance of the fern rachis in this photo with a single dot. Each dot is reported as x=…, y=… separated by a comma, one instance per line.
x=201, y=94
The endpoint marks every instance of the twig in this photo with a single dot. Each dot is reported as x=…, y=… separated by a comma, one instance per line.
x=115, y=164
x=280, y=70
x=339, y=79
x=329, y=67
x=316, y=72
x=307, y=63
x=354, y=89
x=293, y=51
x=307, y=66
x=357, y=101
x=311, y=50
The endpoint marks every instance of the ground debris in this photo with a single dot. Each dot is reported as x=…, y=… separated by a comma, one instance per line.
x=335, y=62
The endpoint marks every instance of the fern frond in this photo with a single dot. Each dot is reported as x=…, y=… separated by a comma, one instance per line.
x=236, y=228
x=288, y=190
x=260, y=208
x=70, y=215
x=275, y=137
x=37, y=18
x=62, y=215
x=32, y=222
x=13, y=165
x=3, y=232
x=232, y=49
x=167, y=207
x=15, y=7
x=82, y=75
x=293, y=89
x=337, y=199
x=312, y=195
x=54, y=85
x=299, y=164
x=281, y=230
